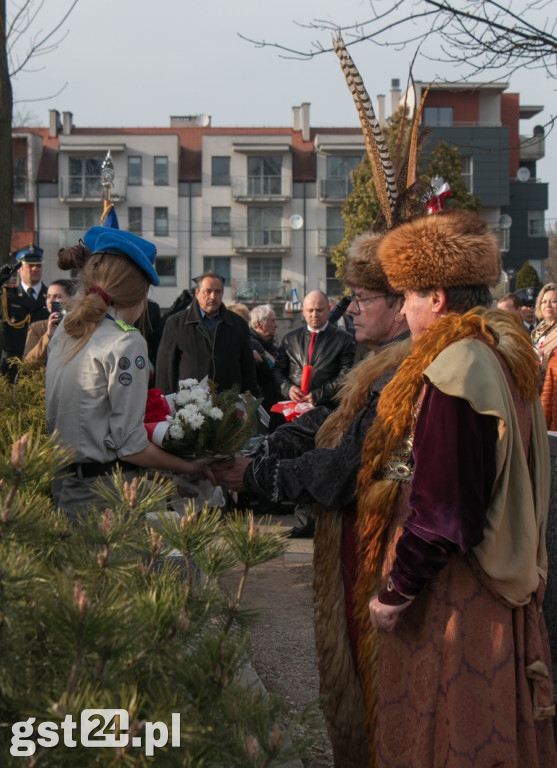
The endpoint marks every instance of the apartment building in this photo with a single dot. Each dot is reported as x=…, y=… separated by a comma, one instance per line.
x=483, y=121
x=262, y=206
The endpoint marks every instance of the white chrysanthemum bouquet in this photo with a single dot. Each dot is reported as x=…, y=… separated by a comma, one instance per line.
x=199, y=421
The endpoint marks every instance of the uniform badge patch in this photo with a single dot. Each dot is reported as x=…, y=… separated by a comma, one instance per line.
x=124, y=363
x=140, y=361
x=125, y=379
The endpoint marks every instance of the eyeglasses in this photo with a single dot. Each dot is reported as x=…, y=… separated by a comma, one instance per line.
x=357, y=302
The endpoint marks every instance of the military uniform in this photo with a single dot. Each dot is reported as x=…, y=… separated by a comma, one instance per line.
x=19, y=310
x=96, y=401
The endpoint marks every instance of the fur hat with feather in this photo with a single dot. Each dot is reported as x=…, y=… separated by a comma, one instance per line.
x=445, y=250
x=362, y=268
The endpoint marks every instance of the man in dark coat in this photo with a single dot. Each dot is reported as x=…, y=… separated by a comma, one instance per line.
x=206, y=340
x=22, y=304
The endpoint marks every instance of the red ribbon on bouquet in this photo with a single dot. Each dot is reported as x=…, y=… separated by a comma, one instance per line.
x=156, y=411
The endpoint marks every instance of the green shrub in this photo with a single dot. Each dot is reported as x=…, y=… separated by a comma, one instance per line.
x=122, y=611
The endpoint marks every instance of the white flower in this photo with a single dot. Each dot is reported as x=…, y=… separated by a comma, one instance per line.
x=176, y=431
x=196, y=421
x=215, y=413
x=182, y=398
x=200, y=397
x=187, y=412
x=187, y=383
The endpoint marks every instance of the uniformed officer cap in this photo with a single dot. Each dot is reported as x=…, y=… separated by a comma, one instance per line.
x=527, y=295
x=30, y=255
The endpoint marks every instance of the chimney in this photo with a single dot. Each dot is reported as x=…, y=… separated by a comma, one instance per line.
x=67, y=123
x=381, y=108
x=395, y=95
x=296, y=118
x=53, y=123
x=305, y=120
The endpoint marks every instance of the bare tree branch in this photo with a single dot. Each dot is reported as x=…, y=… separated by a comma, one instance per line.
x=481, y=34
x=41, y=43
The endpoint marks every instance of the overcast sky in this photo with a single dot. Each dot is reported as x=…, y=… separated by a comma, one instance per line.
x=136, y=62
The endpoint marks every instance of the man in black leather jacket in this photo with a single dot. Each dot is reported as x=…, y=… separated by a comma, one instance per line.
x=313, y=360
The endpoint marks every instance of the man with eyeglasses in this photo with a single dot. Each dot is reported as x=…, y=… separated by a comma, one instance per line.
x=322, y=468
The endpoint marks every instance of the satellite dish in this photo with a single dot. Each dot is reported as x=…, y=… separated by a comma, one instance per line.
x=296, y=221
x=203, y=120
x=523, y=174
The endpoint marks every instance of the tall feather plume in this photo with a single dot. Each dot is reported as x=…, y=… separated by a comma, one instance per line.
x=414, y=139
x=376, y=146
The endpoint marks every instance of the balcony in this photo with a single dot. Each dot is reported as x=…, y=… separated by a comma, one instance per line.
x=327, y=238
x=532, y=147
x=334, y=189
x=263, y=291
x=89, y=189
x=275, y=241
x=68, y=237
x=23, y=189
x=272, y=189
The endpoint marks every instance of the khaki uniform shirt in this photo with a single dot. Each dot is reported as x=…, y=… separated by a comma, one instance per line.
x=97, y=399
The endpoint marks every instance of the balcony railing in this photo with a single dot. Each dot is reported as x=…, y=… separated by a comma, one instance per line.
x=260, y=291
x=90, y=188
x=67, y=237
x=532, y=147
x=334, y=189
x=329, y=237
x=23, y=189
x=273, y=240
x=274, y=188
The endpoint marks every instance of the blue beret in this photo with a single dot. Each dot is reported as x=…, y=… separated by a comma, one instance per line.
x=140, y=251
x=30, y=255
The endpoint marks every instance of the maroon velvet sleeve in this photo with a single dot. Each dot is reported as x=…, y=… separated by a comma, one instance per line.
x=454, y=454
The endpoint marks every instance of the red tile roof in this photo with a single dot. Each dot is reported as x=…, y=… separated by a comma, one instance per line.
x=190, y=138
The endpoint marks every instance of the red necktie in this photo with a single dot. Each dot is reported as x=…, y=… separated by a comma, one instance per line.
x=311, y=346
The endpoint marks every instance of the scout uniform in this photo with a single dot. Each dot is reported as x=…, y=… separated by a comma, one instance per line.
x=96, y=399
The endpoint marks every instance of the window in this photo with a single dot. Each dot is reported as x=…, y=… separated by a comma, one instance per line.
x=18, y=218
x=437, y=116
x=264, y=175
x=220, y=222
x=135, y=172
x=85, y=177
x=161, y=222
x=536, y=224
x=161, y=171
x=339, y=167
x=220, y=171
x=264, y=226
x=467, y=174
x=334, y=286
x=219, y=264
x=83, y=218
x=20, y=177
x=263, y=279
x=135, y=222
x=335, y=226
x=166, y=269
